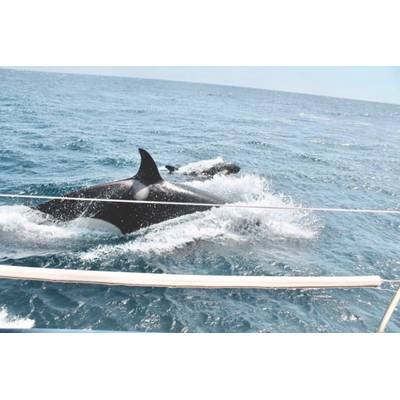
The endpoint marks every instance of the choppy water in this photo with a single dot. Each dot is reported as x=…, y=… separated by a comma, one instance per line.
x=60, y=132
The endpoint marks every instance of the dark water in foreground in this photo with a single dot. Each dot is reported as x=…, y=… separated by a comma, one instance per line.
x=60, y=132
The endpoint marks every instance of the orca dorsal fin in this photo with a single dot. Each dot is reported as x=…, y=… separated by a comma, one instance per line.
x=171, y=168
x=148, y=172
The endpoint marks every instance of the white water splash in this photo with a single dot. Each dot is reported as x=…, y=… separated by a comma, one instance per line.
x=219, y=224
x=23, y=223
x=24, y=232
x=9, y=321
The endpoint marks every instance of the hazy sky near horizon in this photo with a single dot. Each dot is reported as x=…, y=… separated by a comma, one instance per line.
x=365, y=83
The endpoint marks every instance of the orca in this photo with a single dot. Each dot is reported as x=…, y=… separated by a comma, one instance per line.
x=208, y=171
x=147, y=184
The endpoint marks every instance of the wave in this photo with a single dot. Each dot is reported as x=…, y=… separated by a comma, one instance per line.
x=9, y=321
x=311, y=117
x=219, y=224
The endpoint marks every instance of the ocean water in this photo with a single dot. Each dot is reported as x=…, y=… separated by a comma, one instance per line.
x=61, y=132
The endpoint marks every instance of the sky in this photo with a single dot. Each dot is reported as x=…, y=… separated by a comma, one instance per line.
x=380, y=84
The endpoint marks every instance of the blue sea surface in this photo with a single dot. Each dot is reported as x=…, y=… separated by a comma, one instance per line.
x=61, y=132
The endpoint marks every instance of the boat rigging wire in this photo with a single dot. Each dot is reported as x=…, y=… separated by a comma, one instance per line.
x=219, y=205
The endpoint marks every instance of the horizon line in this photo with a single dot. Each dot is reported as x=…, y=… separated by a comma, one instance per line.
x=28, y=69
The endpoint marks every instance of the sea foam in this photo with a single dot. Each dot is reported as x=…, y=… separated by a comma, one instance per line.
x=10, y=321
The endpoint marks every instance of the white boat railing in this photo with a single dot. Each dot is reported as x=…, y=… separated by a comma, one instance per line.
x=200, y=281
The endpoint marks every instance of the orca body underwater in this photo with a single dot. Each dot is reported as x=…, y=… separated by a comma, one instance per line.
x=219, y=168
x=147, y=184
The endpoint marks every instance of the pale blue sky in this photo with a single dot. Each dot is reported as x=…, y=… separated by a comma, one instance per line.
x=366, y=83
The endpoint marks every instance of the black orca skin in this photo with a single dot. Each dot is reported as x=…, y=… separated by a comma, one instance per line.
x=147, y=184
